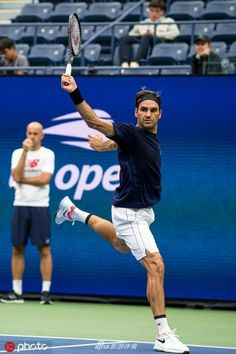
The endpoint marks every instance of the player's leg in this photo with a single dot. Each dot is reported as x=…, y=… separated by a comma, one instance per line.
x=40, y=234
x=46, y=273
x=19, y=238
x=153, y=263
x=133, y=227
x=67, y=211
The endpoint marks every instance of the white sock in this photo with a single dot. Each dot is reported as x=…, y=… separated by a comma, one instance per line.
x=17, y=286
x=162, y=325
x=46, y=286
x=80, y=215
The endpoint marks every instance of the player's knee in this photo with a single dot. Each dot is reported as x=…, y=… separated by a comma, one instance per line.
x=18, y=251
x=45, y=251
x=156, y=265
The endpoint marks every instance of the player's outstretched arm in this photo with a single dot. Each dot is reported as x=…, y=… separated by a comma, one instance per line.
x=87, y=113
x=99, y=144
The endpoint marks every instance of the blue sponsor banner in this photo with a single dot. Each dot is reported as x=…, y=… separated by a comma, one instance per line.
x=195, y=221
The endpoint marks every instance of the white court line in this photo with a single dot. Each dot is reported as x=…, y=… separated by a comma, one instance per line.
x=112, y=340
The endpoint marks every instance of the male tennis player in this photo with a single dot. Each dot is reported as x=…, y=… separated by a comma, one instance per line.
x=139, y=190
x=32, y=167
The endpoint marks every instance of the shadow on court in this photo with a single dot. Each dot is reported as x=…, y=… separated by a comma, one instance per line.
x=48, y=345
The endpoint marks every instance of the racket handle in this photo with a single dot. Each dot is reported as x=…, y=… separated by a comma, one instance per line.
x=68, y=69
x=68, y=72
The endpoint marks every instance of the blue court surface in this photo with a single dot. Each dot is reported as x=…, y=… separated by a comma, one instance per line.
x=56, y=345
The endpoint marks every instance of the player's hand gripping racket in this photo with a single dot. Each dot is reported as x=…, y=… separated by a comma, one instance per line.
x=74, y=42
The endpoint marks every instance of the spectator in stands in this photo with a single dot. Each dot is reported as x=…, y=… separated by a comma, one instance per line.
x=204, y=61
x=10, y=57
x=147, y=35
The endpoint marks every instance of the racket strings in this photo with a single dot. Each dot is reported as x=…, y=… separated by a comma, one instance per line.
x=75, y=35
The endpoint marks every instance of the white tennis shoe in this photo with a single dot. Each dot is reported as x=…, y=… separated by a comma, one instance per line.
x=170, y=343
x=65, y=211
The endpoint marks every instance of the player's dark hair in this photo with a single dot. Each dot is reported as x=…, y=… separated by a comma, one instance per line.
x=6, y=43
x=147, y=95
x=157, y=4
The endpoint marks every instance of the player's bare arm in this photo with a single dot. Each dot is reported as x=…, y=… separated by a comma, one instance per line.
x=99, y=144
x=87, y=113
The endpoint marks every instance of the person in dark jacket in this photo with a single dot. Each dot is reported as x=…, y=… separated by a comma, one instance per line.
x=204, y=61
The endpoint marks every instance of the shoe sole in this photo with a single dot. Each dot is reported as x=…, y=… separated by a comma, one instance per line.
x=46, y=302
x=12, y=301
x=170, y=351
x=58, y=219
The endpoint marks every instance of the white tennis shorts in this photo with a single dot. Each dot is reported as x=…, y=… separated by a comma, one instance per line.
x=132, y=226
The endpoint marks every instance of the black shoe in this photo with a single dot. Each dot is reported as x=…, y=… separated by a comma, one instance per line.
x=46, y=298
x=12, y=298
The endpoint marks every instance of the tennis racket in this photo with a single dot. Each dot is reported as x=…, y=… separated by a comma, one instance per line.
x=74, y=42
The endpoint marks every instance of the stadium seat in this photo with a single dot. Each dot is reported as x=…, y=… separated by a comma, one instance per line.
x=232, y=53
x=12, y=31
x=182, y=10
x=63, y=10
x=103, y=12
x=137, y=14
x=189, y=32
x=46, y=54
x=39, y=34
x=176, y=71
x=89, y=56
x=225, y=32
x=220, y=10
x=34, y=13
x=116, y=32
x=92, y=53
x=168, y=54
x=218, y=48
x=23, y=49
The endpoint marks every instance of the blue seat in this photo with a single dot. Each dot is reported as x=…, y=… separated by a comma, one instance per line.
x=103, y=12
x=232, y=53
x=168, y=54
x=182, y=10
x=34, y=13
x=23, y=49
x=40, y=34
x=225, y=32
x=116, y=32
x=62, y=34
x=63, y=10
x=220, y=10
x=137, y=14
x=176, y=71
x=188, y=32
x=46, y=54
x=92, y=54
x=12, y=31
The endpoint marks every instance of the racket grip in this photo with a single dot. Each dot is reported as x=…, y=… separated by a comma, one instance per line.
x=68, y=69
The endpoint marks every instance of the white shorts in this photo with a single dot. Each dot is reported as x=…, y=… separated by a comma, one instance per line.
x=132, y=226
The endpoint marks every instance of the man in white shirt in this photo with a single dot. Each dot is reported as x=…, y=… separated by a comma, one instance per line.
x=155, y=29
x=32, y=167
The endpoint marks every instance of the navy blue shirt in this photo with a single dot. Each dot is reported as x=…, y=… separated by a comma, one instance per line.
x=140, y=175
